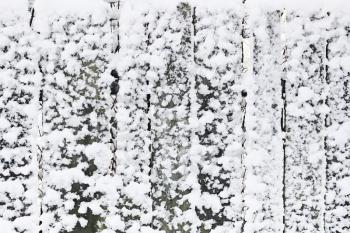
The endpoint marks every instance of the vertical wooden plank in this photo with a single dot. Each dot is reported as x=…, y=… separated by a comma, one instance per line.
x=264, y=144
x=337, y=141
x=305, y=79
x=218, y=86
x=75, y=127
x=170, y=128
x=18, y=95
x=133, y=209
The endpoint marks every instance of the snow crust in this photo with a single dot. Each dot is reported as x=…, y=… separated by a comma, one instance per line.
x=302, y=6
x=173, y=3
x=98, y=7
x=19, y=6
x=46, y=10
x=80, y=7
x=11, y=8
x=261, y=145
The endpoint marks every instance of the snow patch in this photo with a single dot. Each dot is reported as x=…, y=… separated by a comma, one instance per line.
x=47, y=10
x=301, y=6
x=4, y=123
x=9, y=7
x=305, y=94
x=344, y=185
x=115, y=223
x=341, y=135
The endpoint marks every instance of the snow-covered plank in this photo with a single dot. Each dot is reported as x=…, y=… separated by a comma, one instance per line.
x=75, y=135
x=133, y=155
x=337, y=140
x=171, y=62
x=219, y=117
x=264, y=144
x=305, y=101
x=18, y=95
x=14, y=9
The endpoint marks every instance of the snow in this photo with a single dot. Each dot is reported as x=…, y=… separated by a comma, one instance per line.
x=68, y=221
x=63, y=179
x=15, y=188
x=4, y=123
x=212, y=202
x=47, y=10
x=212, y=146
x=344, y=185
x=341, y=133
x=17, y=7
x=12, y=135
x=115, y=223
x=7, y=226
x=52, y=196
x=268, y=5
x=301, y=6
x=305, y=93
x=79, y=8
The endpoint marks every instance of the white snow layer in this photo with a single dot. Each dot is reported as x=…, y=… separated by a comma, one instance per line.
x=46, y=10
x=13, y=5
x=301, y=6
x=80, y=7
x=10, y=8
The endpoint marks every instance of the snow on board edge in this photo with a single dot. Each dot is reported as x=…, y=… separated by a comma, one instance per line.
x=309, y=6
x=48, y=10
x=301, y=6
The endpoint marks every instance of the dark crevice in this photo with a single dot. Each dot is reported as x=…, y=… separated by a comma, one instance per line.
x=118, y=26
x=244, y=31
x=149, y=128
x=41, y=133
x=244, y=94
x=147, y=67
x=327, y=123
x=283, y=112
x=194, y=21
x=112, y=6
x=284, y=141
x=284, y=129
x=41, y=96
x=243, y=126
x=113, y=121
x=32, y=17
x=242, y=51
x=40, y=222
